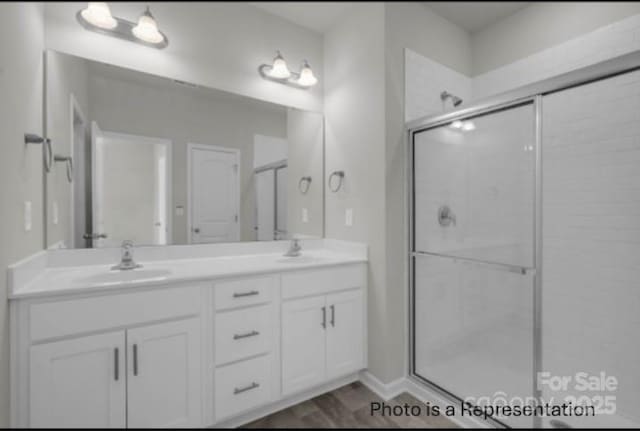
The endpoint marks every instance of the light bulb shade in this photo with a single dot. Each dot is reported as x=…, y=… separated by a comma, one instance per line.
x=279, y=69
x=99, y=15
x=307, y=79
x=147, y=29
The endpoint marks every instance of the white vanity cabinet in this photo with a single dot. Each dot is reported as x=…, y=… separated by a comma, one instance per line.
x=150, y=380
x=192, y=354
x=323, y=326
x=79, y=382
x=128, y=359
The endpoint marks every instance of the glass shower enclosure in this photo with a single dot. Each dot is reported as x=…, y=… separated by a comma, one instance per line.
x=525, y=250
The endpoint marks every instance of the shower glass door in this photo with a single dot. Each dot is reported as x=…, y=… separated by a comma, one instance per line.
x=473, y=256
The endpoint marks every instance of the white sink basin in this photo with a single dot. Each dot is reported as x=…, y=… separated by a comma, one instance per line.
x=115, y=277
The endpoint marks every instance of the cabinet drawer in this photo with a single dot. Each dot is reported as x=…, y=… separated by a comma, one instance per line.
x=240, y=334
x=316, y=282
x=99, y=313
x=242, y=386
x=241, y=293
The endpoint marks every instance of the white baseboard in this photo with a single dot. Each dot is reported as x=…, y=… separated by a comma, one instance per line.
x=386, y=391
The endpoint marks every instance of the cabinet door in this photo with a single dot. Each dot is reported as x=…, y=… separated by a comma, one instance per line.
x=79, y=383
x=345, y=333
x=164, y=375
x=303, y=343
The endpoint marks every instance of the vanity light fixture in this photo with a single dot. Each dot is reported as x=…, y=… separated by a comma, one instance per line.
x=147, y=28
x=99, y=14
x=279, y=72
x=307, y=78
x=97, y=17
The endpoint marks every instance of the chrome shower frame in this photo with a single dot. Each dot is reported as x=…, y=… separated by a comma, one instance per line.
x=530, y=94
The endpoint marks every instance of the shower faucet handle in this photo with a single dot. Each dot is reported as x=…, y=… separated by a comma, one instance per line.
x=446, y=217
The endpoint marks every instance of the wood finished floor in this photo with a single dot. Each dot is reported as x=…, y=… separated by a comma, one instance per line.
x=348, y=407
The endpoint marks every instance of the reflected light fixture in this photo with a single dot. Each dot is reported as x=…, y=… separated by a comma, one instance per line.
x=279, y=72
x=466, y=126
x=97, y=17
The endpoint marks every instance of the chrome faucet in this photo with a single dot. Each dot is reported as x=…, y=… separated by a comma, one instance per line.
x=126, y=259
x=294, y=248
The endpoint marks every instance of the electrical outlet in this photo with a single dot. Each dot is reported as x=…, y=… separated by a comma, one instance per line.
x=27, y=216
x=348, y=217
x=305, y=215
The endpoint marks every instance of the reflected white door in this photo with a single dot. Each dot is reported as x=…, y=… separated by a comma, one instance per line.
x=214, y=194
x=131, y=188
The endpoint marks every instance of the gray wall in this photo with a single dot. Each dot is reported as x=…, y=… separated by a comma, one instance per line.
x=128, y=102
x=21, y=43
x=540, y=26
x=449, y=45
x=355, y=135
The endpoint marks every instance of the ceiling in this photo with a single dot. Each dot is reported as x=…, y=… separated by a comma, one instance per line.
x=474, y=16
x=317, y=16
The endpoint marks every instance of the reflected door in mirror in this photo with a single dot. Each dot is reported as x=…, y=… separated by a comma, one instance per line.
x=131, y=188
x=214, y=194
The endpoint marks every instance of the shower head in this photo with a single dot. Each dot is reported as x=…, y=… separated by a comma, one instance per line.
x=454, y=99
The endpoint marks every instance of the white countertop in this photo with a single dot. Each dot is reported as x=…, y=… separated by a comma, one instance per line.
x=49, y=281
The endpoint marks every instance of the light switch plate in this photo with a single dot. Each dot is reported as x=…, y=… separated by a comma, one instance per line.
x=179, y=210
x=348, y=217
x=305, y=215
x=27, y=216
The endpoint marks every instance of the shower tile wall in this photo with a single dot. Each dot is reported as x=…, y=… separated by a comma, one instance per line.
x=591, y=244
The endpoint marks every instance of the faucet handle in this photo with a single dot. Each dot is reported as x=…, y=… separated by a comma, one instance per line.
x=127, y=243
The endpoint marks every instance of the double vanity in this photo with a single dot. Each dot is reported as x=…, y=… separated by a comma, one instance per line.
x=196, y=336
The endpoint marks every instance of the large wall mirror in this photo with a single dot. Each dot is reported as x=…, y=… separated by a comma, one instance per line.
x=146, y=158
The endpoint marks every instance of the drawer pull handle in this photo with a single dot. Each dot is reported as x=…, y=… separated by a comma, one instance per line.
x=324, y=317
x=253, y=385
x=247, y=335
x=245, y=294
